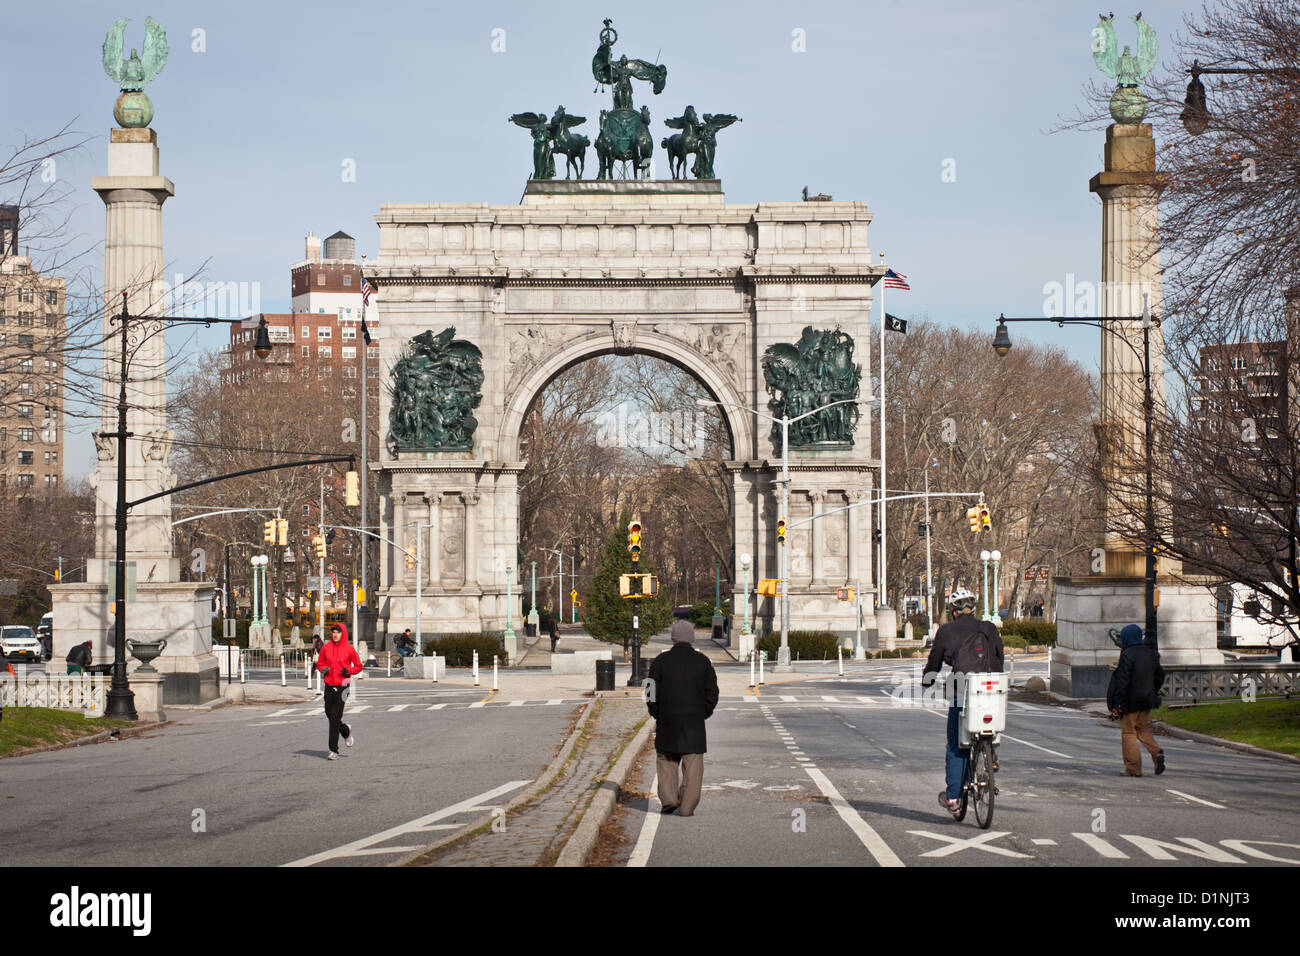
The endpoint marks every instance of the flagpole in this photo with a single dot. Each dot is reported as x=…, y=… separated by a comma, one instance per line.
x=365, y=462
x=880, y=575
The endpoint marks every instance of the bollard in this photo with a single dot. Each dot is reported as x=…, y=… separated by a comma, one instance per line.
x=390, y=664
x=476, y=668
x=762, y=657
x=306, y=667
x=751, y=672
x=435, y=665
x=841, y=656
x=283, y=673
x=495, y=685
x=241, y=667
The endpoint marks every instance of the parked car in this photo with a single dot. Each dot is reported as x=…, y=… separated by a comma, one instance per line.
x=19, y=643
x=45, y=634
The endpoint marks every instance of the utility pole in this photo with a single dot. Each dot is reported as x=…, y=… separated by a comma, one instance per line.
x=321, y=581
x=929, y=588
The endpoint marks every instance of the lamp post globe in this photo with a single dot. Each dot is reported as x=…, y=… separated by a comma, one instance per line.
x=745, y=560
x=985, y=555
x=1001, y=339
x=995, y=555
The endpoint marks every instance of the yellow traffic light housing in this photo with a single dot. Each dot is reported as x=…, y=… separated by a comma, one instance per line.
x=410, y=562
x=352, y=489
x=845, y=594
x=973, y=516
x=319, y=542
x=634, y=539
x=268, y=532
x=780, y=531
x=282, y=528
x=985, y=522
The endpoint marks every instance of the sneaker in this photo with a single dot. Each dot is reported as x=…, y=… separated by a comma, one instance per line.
x=350, y=737
x=952, y=806
x=332, y=756
x=1160, y=763
x=667, y=810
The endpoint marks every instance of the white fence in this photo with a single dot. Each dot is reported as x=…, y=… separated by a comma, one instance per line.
x=59, y=691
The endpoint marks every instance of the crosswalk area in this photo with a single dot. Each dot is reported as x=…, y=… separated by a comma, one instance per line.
x=385, y=707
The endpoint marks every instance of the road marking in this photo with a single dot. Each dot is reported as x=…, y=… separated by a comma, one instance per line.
x=888, y=751
x=515, y=703
x=397, y=707
x=279, y=723
x=1044, y=842
x=477, y=704
x=979, y=842
x=789, y=698
x=366, y=845
x=283, y=713
x=1101, y=846
x=437, y=707
x=1188, y=796
x=1159, y=849
x=358, y=708
x=861, y=829
x=830, y=698
x=552, y=703
x=1054, y=753
x=646, y=838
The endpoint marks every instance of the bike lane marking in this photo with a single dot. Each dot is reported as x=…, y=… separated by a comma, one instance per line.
x=366, y=845
x=1188, y=796
x=978, y=842
x=646, y=838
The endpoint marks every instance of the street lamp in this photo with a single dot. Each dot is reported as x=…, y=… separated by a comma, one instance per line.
x=120, y=701
x=1196, y=114
x=745, y=561
x=783, y=654
x=1002, y=345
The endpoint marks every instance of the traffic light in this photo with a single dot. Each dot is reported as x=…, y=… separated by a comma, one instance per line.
x=973, y=516
x=845, y=594
x=318, y=541
x=780, y=531
x=352, y=483
x=920, y=528
x=268, y=532
x=282, y=526
x=985, y=523
x=634, y=538
x=876, y=536
x=410, y=562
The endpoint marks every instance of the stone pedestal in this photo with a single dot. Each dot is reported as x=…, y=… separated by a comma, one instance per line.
x=887, y=628
x=148, y=690
x=425, y=668
x=1087, y=608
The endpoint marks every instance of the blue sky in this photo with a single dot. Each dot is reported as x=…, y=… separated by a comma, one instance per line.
x=254, y=130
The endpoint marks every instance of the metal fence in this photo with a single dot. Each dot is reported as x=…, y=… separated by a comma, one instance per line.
x=1198, y=682
x=59, y=691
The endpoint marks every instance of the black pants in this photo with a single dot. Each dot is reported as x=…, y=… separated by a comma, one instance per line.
x=334, y=711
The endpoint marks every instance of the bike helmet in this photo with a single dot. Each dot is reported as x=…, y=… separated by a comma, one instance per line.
x=961, y=599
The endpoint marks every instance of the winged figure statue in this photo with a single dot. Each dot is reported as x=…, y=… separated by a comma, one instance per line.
x=1128, y=105
x=133, y=108
x=539, y=126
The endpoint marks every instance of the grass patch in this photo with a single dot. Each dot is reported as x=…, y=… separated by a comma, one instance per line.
x=1272, y=724
x=26, y=727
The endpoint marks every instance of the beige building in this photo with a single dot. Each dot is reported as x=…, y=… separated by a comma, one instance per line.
x=32, y=327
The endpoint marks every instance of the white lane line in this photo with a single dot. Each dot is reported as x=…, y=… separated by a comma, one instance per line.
x=789, y=698
x=888, y=751
x=861, y=829
x=830, y=698
x=552, y=703
x=396, y=707
x=477, y=704
x=516, y=703
x=367, y=844
x=283, y=713
x=1188, y=796
x=279, y=723
x=1054, y=753
x=646, y=838
x=358, y=708
x=437, y=707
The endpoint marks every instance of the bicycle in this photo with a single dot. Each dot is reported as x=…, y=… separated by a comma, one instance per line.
x=984, y=717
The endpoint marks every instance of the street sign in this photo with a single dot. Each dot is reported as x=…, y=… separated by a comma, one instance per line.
x=8, y=587
x=313, y=582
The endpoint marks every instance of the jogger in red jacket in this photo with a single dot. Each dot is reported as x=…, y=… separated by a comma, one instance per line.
x=337, y=663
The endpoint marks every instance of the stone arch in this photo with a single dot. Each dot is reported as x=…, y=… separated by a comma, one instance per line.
x=720, y=385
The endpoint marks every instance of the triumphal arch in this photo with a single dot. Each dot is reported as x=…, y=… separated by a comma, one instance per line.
x=766, y=304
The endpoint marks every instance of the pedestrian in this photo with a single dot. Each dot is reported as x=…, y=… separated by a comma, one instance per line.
x=1135, y=689
x=337, y=663
x=79, y=657
x=553, y=628
x=681, y=693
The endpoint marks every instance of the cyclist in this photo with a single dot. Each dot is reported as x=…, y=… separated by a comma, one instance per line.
x=969, y=646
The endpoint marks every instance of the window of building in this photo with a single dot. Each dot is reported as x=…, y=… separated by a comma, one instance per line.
x=372, y=351
x=51, y=320
x=349, y=334
x=350, y=352
x=306, y=331
x=25, y=295
x=47, y=459
x=27, y=434
x=306, y=372
x=1238, y=362
x=349, y=371
x=340, y=314
x=306, y=351
x=324, y=332
x=25, y=388
x=27, y=366
x=321, y=311
x=27, y=319
x=349, y=392
x=324, y=371
x=24, y=481
x=24, y=411
x=320, y=280
x=23, y=269
x=372, y=372
x=347, y=280
x=325, y=351
x=25, y=457
x=26, y=341
x=51, y=365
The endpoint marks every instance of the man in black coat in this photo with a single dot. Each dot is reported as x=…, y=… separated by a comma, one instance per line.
x=1133, y=691
x=681, y=692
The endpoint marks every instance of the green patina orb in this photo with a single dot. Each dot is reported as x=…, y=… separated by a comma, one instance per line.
x=133, y=110
x=1128, y=105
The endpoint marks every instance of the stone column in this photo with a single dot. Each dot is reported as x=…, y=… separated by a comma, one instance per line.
x=1129, y=188
x=404, y=536
x=431, y=554
x=818, y=537
x=471, y=540
x=855, y=551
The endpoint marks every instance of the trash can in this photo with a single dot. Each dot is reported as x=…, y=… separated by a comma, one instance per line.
x=604, y=675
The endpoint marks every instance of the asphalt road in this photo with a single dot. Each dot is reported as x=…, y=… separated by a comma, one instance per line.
x=266, y=794
x=836, y=772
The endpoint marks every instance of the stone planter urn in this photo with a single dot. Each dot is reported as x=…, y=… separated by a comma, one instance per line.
x=146, y=651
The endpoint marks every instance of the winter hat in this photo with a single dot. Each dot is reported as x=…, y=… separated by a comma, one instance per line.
x=683, y=632
x=1130, y=635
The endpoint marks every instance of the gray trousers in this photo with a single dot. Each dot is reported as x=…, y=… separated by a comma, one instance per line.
x=686, y=796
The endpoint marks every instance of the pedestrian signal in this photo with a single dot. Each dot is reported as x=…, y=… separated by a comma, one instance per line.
x=767, y=587
x=780, y=531
x=282, y=525
x=637, y=585
x=845, y=594
x=973, y=516
x=268, y=532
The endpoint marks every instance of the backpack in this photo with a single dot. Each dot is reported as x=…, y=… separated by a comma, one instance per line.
x=973, y=653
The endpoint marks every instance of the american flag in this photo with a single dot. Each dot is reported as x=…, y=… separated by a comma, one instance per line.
x=365, y=291
x=895, y=280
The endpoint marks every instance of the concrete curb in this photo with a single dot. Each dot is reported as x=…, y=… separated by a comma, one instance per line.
x=583, y=841
x=541, y=783
x=122, y=734
x=1180, y=733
